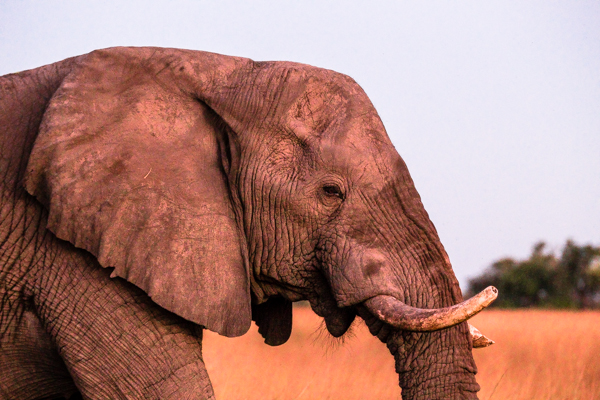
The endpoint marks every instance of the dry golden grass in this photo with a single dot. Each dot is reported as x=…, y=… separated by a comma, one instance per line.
x=537, y=355
x=311, y=365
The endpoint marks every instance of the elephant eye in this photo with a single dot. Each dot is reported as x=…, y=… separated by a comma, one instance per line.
x=333, y=190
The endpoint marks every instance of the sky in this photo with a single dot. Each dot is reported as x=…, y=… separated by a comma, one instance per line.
x=494, y=106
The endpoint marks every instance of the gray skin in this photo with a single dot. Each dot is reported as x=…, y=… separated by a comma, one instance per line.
x=150, y=193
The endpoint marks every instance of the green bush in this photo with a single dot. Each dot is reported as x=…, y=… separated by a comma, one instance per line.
x=543, y=280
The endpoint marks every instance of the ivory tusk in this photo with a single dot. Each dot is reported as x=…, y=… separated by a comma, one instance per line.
x=394, y=312
x=479, y=339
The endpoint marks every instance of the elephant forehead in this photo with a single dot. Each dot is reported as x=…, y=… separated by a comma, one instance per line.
x=363, y=156
x=304, y=91
x=331, y=111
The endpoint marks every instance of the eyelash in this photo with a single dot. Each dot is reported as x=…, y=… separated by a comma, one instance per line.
x=333, y=190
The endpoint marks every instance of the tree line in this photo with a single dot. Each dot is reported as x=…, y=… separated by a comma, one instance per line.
x=571, y=280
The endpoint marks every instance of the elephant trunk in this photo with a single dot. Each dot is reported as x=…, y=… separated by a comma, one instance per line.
x=430, y=365
x=431, y=347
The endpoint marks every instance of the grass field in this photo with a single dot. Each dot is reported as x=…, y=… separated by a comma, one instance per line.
x=537, y=355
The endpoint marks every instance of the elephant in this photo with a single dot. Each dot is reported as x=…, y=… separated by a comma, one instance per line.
x=151, y=193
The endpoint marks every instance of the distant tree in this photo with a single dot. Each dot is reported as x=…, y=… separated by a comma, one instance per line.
x=580, y=274
x=543, y=280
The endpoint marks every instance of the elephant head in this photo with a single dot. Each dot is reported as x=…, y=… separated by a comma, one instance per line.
x=227, y=189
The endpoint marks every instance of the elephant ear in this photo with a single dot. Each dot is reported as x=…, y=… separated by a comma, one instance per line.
x=274, y=320
x=132, y=170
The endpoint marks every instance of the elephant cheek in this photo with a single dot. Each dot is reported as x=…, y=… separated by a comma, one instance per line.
x=364, y=274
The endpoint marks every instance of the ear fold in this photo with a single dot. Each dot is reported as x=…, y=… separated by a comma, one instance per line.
x=130, y=169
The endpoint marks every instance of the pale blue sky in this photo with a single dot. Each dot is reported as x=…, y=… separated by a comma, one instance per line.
x=495, y=105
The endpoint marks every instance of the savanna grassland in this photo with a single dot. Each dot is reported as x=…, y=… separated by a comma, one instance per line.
x=538, y=355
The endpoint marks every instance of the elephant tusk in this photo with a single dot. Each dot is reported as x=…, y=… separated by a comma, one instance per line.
x=479, y=339
x=399, y=315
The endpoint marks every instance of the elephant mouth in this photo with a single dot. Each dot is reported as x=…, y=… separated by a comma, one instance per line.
x=401, y=316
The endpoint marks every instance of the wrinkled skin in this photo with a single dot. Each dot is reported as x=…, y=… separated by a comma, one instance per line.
x=147, y=193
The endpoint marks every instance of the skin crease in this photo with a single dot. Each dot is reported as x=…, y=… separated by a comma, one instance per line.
x=107, y=156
